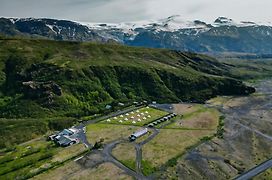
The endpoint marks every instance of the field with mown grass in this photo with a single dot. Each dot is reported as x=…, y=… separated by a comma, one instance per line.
x=138, y=117
x=109, y=132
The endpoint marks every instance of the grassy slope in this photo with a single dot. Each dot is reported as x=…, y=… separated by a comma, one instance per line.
x=93, y=75
x=249, y=69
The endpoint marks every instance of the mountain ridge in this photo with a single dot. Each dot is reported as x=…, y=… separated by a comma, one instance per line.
x=224, y=35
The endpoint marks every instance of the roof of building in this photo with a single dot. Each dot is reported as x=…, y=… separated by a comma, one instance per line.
x=74, y=130
x=64, y=140
x=140, y=133
x=66, y=132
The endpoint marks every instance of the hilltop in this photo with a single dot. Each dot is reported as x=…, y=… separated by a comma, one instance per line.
x=43, y=78
x=174, y=32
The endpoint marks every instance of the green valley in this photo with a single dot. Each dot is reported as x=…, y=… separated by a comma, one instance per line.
x=56, y=82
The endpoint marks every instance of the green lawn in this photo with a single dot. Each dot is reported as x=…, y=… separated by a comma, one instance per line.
x=137, y=118
x=108, y=132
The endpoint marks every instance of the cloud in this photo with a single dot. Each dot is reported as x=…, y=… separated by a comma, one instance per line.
x=117, y=11
x=81, y=10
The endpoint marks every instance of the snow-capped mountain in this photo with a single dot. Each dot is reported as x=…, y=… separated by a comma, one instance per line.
x=174, y=32
x=47, y=28
x=170, y=24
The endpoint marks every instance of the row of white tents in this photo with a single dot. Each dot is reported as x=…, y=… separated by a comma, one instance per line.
x=133, y=116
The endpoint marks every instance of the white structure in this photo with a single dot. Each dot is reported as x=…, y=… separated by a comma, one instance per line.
x=138, y=134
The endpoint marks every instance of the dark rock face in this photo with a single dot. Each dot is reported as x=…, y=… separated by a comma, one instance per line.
x=211, y=39
x=218, y=39
x=48, y=28
x=43, y=90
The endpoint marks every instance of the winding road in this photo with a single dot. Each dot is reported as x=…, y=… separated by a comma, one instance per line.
x=107, y=154
x=138, y=148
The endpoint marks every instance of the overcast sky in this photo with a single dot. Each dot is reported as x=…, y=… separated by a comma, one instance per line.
x=137, y=10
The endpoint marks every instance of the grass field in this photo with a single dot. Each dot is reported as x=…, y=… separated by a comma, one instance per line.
x=201, y=118
x=33, y=157
x=108, y=132
x=169, y=144
x=74, y=171
x=173, y=140
x=138, y=117
x=125, y=153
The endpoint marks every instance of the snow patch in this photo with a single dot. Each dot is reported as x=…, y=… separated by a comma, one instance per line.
x=51, y=27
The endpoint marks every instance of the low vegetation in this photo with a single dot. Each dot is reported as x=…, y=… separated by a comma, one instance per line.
x=126, y=154
x=196, y=117
x=14, y=131
x=34, y=157
x=198, y=124
x=170, y=143
x=76, y=171
x=265, y=175
x=108, y=132
x=220, y=127
x=249, y=70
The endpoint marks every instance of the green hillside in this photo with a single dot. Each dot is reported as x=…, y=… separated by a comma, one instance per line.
x=53, y=79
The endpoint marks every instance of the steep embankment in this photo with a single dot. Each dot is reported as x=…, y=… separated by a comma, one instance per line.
x=41, y=78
